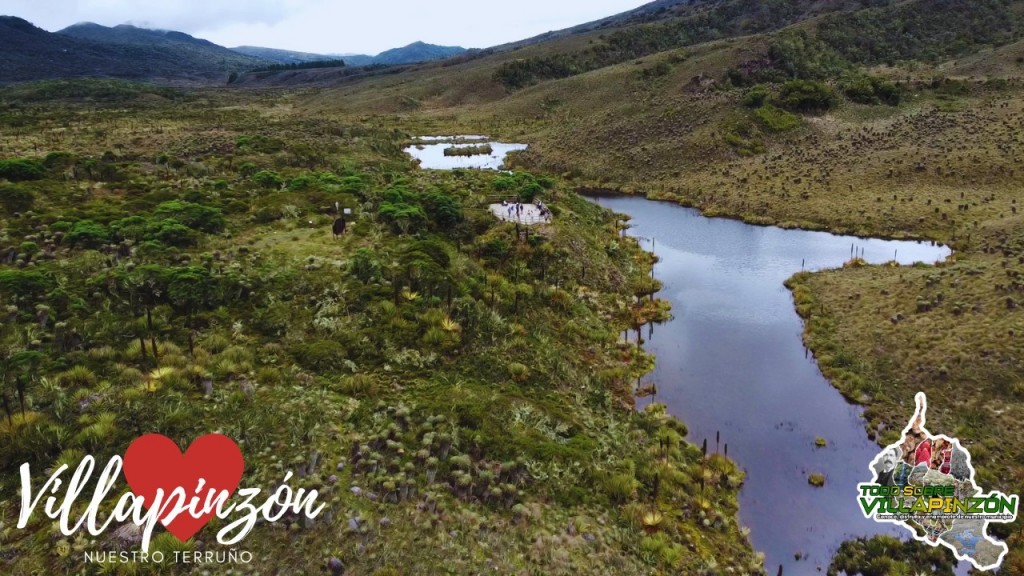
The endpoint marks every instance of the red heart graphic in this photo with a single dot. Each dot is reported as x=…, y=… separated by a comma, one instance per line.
x=154, y=462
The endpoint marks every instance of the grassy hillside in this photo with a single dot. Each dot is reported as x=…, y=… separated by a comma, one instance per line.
x=895, y=119
x=455, y=387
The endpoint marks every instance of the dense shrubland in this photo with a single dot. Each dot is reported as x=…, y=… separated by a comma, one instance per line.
x=896, y=119
x=851, y=33
x=456, y=387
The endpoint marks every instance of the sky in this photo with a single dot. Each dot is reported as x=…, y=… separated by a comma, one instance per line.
x=328, y=26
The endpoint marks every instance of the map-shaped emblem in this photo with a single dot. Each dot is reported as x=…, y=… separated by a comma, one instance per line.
x=925, y=484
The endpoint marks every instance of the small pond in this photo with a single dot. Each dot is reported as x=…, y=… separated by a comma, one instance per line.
x=432, y=157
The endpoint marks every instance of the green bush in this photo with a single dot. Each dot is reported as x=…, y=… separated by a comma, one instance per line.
x=887, y=92
x=530, y=192
x=268, y=179
x=88, y=234
x=407, y=218
x=26, y=284
x=433, y=249
x=15, y=199
x=171, y=232
x=130, y=228
x=807, y=96
x=775, y=119
x=364, y=265
x=58, y=160
x=20, y=169
x=756, y=96
x=443, y=209
x=620, y=487
x=305, y=182
x=869, y=90
x=195, y=216
x=320, y=355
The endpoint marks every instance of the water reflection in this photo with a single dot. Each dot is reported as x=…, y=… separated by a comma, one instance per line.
x=732, y=361
x=432, y=157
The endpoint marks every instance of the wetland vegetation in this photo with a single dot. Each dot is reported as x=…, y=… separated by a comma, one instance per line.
x=167, y=264
x=454, y=386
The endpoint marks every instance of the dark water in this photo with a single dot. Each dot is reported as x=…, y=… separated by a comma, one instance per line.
x=732, y=361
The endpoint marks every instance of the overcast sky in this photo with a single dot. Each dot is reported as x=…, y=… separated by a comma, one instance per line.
x=328, y=26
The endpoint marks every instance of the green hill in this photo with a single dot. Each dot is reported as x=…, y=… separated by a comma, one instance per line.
x=91, y=50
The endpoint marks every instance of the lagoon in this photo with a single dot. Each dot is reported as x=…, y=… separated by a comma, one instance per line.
x=732, y=362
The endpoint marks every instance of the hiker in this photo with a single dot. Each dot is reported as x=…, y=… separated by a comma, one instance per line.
x=339, y=227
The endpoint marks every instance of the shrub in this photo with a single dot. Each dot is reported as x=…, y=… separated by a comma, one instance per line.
x=432, y=249
x=530, y=192
x=304, y=182
x=130, y=228
x=443, y=209
x=868, y=90
x=620, y=487
x=807, y=96
x=58, y=160
x=495, y=249
x=77, y=377
x=195, y=216
x=171, y=232
x=19, y=169
x=775, y=119
x=406, y=217
x=16, y=199
x=859, y=90
x=888, y=92
x=29, y=248
x=321, y=355
x=88, y=234
x=364, y=265
x=267, y=179
x=518, y=372
x=358, y=385
x=756, y=96
x=27, y=284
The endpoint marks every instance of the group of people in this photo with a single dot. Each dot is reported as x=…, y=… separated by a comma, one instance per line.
x=545, y=213
x=515, y=208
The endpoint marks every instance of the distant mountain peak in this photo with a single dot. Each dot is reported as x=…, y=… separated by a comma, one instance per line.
x=85, y=24
x=20, y=24
x=418, y=51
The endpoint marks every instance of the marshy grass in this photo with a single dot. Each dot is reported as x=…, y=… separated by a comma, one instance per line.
x=469, y=150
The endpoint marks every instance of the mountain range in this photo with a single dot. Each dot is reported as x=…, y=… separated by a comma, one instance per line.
x=125, y=51
x=31, y=53
x=415, y=52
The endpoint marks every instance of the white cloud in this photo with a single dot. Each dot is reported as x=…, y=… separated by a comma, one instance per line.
x=328, y=26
